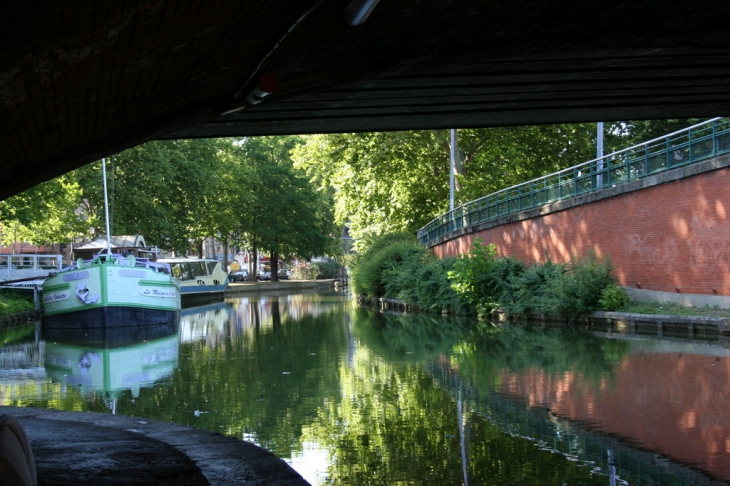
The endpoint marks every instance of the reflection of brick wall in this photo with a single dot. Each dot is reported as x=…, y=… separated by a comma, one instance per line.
x=670, y=237
x=673, y=404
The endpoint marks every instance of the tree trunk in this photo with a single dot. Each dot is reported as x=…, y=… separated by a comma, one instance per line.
x=274, y=265
x=253, y=263
x=225, y=256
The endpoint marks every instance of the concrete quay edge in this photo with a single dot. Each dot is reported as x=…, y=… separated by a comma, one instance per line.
x=221, y=460
x=235, y=288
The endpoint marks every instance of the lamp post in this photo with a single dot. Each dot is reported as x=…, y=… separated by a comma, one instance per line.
x=599, y=154
x=452, y=169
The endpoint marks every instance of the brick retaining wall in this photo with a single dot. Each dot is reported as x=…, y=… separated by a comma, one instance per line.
x=667, y=233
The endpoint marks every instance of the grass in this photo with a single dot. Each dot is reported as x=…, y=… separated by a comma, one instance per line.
x=671, y=309
x=12, y=303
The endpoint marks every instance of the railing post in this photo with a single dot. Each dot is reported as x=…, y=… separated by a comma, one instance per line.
x=690, y=147
x=667, y=153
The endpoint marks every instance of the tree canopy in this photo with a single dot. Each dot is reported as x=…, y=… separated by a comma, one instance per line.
x=46, y=214
x=399, y=181
x=178, y=192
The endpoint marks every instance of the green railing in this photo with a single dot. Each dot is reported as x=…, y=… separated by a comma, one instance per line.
x=694, y=144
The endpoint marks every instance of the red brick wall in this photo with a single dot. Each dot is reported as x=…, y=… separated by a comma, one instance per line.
x=672, y=237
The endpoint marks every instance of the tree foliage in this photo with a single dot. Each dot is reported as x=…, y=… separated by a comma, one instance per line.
x=164, y=190
x=399, y=181
x=45, y=214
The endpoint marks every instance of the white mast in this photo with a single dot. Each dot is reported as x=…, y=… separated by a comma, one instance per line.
x=106, y=208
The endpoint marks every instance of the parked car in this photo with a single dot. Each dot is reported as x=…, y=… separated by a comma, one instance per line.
x=283, y=274
x=241, y=276
x=263, y=276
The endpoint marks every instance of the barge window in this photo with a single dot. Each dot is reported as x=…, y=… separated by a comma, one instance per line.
x=181, y=271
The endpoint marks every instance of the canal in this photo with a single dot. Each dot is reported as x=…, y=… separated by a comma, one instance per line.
x=350, y=396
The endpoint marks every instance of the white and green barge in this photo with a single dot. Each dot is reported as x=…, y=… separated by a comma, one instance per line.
x=111, y=290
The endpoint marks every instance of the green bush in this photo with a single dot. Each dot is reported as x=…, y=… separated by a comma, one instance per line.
x=433, y=288
x=371, y=273
x=576, y=292
x=530, y=289
x=328, y=270
x=422, y=279
x=370, y=248
x=479, y=282
x=400, y=268
x=482, y=279
x=12, y=302
x=305, y=272
x=613, y=298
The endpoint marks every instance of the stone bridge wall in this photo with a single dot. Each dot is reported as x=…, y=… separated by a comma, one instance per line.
x=668, y=233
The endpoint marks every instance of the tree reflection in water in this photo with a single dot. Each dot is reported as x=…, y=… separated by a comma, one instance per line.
x=386, y=399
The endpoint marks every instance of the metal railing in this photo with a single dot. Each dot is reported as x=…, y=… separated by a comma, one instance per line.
x=18, y=266
x=684, y=147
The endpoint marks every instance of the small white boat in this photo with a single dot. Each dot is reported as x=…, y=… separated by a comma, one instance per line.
x=200, y=279
x=111, y=290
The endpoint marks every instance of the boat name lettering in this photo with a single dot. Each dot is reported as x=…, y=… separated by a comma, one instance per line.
x=75, y=276
x=156, y=292
x=56, y=296
x=132, y=273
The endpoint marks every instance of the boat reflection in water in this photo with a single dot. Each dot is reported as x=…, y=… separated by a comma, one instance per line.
x=112, y=359
x=203, y=322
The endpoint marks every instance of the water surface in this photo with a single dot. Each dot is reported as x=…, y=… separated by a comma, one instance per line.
x=350, y=396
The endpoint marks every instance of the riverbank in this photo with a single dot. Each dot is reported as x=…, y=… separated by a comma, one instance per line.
x=266, y=286
x=656, y=318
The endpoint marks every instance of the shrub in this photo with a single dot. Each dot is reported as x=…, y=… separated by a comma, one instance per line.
x=433, y=290
x=481, y=278
x=376, y=268
x=12, y=302
x=530, y=289
x=305, y=272
x=399, y=268
x=329, y=270
x=613, y=298
x=371, y=247
x=577, y=291
x=421, y=279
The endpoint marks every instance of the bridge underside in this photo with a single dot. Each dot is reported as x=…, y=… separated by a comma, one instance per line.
x=81, y=80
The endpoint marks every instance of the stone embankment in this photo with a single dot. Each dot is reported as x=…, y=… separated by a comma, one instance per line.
x=267, y=286
x=656, y=324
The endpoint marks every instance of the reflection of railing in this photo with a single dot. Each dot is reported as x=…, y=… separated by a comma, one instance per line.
x=694, y=144
x=611, y=457
x=21, y=356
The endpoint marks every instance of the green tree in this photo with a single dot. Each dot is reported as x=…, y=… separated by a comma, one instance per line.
x=289, y=217
x=45, y=214
x=165, y=190
x=398, y=181
x=624, y=134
